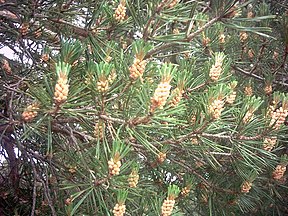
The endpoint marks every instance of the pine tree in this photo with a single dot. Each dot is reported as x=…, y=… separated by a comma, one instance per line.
x=129, y=107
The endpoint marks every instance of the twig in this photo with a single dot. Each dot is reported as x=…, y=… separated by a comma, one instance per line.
x=121, y=93
x=256, y=76
x=205, y=181
x=108, y=118
x=187, y=39
x=200, y=30
x=157, y=11
x=34, y=186
x=197, y=87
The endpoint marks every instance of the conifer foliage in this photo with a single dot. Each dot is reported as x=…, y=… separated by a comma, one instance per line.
x=130, y=107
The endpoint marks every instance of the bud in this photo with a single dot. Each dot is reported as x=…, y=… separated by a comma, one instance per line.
x=176, y=31
x=185, y=191
x=173, y=3
x=268, y=88
x=38, y=33
x=246, y=186
x=119, y=210
x=205, y=41
x=120, y=12
x=45, y=57
x=6, y=67
x=216, y=69
x=248, y=116
x=133, y=179
x=103, y=84
x=167, y=207
x=248, y=91
x=61, y=89
x=278, y=117
x=250, y=53
x=99, y=129
x=231, y=98
x=161, y=157
x=279, y=171
x=112, y=76
x=24, y=29
x=215, y=108
x=250, y=14
x=30, y=112
x=243, y=36
x=137, y=68
x=114, y=165
x=177, y=96
x=269, y=143
x=161, y=94
x=275, y=55
x=222, y=38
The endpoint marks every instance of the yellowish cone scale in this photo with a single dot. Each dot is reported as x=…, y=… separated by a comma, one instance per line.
x=176, y=31
x=248, y=90
x=246, y=186
x=278, y=117
x=215, y=108
x=269, y=143
x=222, y=38
x=61, y=89
x=24, y=29
x=275, y=55
x=133, y=180
x=250, y=14
x=167, y=207
x=243, y=36
x=99, y=130
x=112, y=76
x=6, y=67
x=103, y=84
x=30, y=112
x=268, y=89
x=250, y=53
x=108, y=59
x=161, y=157
x=193, y=119
x=45, y=57
x=38, y=33
x=248, y=116
x=173, y=3
x=137, y=68
x=279, y=171
x=114, y=166
x=177, y=96
x=160, y=96
x=231, y=98
x=185, y=191
x=120, y=12
x=216, y=69
x=119, y=209
x=194, y=140
x=205, y=41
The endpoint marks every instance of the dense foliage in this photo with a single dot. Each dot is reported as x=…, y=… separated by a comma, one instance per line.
x=143, y=107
